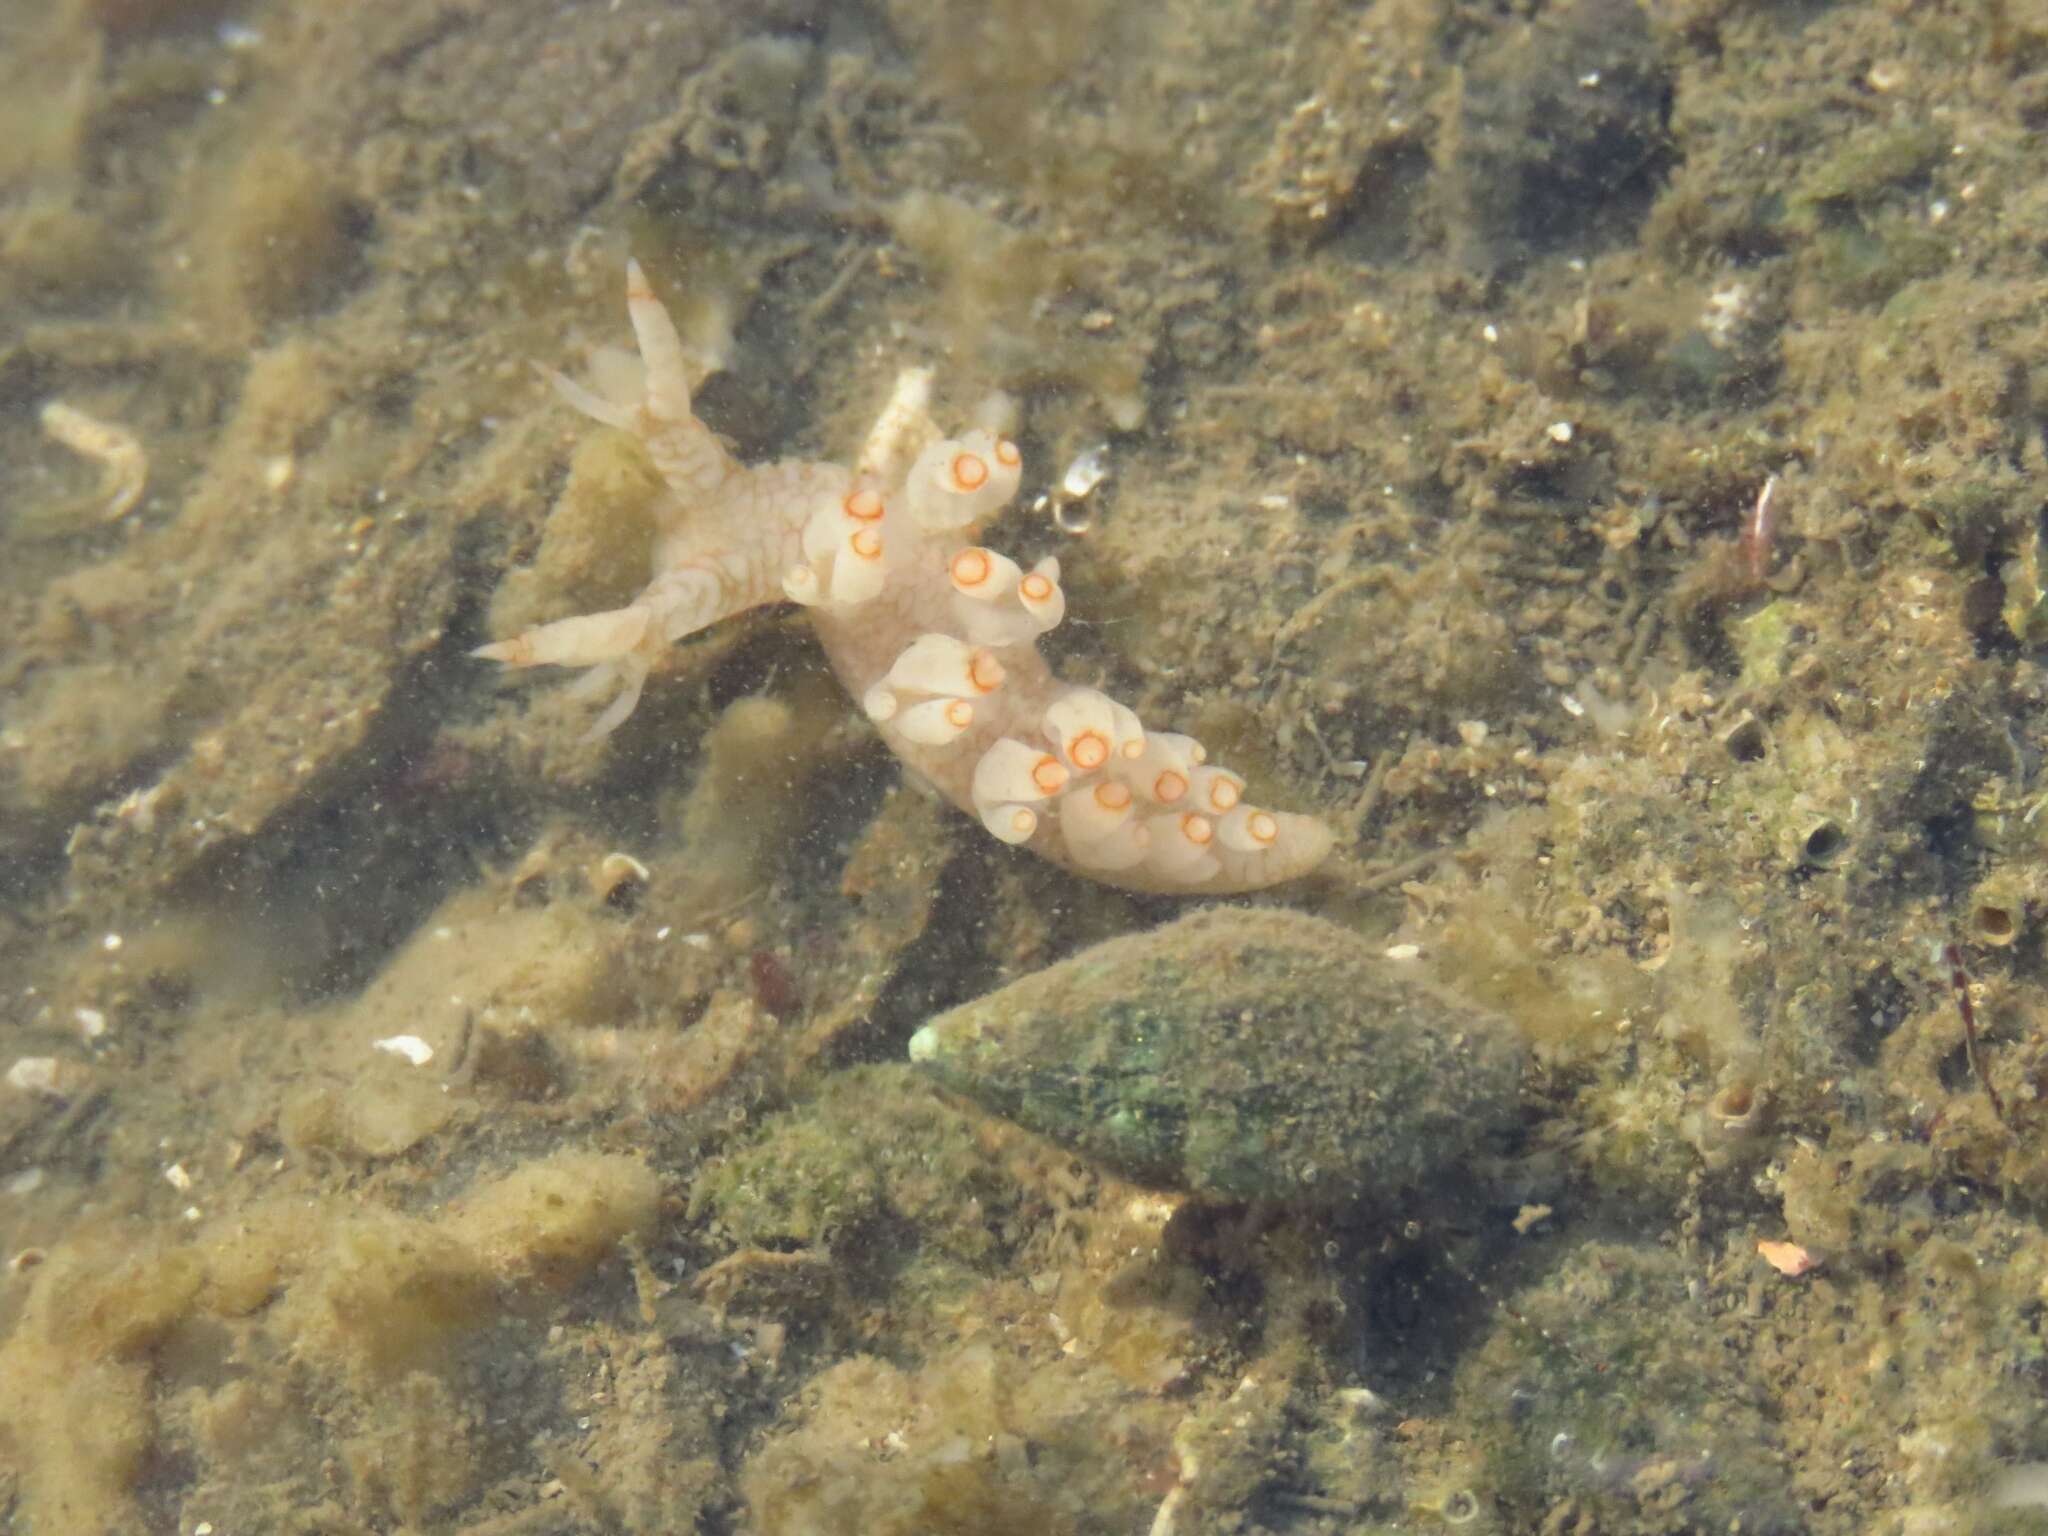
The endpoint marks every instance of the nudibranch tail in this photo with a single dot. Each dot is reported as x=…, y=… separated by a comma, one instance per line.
x=935, y=634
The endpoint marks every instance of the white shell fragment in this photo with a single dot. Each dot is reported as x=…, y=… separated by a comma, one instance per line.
x=123, y=460
x=411, y=1047
x=1085, y=471
x=35, y=1074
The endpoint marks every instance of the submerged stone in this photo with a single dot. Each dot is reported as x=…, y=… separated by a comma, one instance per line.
x=1604, y=1385
x=1245, y=1055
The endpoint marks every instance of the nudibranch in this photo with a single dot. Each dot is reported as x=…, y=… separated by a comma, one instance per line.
x=934, y=634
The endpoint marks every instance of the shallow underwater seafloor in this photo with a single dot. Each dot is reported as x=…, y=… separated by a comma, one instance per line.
x=1443, y=351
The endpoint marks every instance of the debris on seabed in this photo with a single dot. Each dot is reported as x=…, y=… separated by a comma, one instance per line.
x=1760, y=533
x=1088, y=470
x=1068, y=506
x=1959, y=983
x=36, y=1074
x=1788, y=1259
x=124, y=461
x=411, y=1047
x=618, y=878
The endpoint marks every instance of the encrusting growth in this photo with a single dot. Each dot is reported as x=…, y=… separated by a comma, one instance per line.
x=936, y=636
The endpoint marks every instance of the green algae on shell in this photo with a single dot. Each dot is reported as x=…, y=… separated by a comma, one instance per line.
x=1245, y=1055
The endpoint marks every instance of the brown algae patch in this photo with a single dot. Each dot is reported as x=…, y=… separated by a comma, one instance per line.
x=280, y=238
x=118, y=1322
x=965, y=1441
x=1605, y=1384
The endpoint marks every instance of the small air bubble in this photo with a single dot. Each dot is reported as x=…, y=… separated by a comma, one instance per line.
x=1072, y=517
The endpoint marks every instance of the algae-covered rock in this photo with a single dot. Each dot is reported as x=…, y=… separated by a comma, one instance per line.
x=1240, y=1054
x=877, y=1143
x=976, y=1439
x=1607, y=1385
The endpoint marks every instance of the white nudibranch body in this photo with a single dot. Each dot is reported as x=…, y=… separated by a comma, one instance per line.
x=934, y=634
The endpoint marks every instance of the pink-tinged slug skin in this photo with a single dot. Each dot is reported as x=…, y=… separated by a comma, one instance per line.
x=936, y=636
